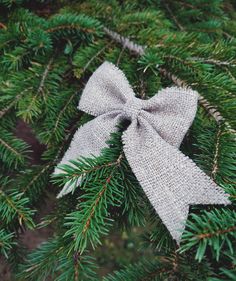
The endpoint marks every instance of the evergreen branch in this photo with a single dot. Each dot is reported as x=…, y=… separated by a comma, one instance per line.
x=15, y=99
x=73, y=23
x=93, y=217
x=70, y=26
x=36, y=177
x=78, y=267
x=13, y=206
x=95, y=205
x=12, y=150
x=33, y=182
x=213, y=229
x=93, y=58
x=215, y=148
x=140, y=50
x=171, y=267
x=188, y=5
x=125, y=42
x=6, y=242
x=173, y=17
x=213, y=61
x=27, y=115
x=44, y=75
x=8, y=107
x=86, y=56
x=59, y=117
x=158, y=237
x=101, y=180
x=144, y=270
x=216, y=154
x=81, y=169
x=216, y=233
x=51, y=260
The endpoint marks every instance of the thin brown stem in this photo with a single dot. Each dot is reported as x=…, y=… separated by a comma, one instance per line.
x=70, y=26
x=15, y=100
x=60, y=115
x=21, y=216
x=76, y=265
x=44, y=76
x=173, y=16
x=10, y=148
x=93, y=57
x=216, y=154
x=3, y=26
x=35, y=178
x=100, y=194
x=41, y=84
x=218, y=232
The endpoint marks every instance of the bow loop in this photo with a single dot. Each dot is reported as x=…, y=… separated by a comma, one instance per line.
x=171, y=112
x=97, y=99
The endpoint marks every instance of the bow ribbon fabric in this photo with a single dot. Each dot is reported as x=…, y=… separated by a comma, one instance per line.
x=171, y=180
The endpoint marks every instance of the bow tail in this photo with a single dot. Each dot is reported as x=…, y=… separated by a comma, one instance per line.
x=171, y=180
x=88, y=141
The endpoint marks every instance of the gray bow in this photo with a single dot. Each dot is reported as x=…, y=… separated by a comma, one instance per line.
x=170, y=179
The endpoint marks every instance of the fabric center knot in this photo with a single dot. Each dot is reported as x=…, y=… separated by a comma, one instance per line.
x=132, y=108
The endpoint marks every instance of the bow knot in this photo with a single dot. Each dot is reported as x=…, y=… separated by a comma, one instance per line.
x=132, y=108
x=170, y=179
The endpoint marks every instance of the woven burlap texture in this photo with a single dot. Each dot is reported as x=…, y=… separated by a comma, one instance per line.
x=171, y=180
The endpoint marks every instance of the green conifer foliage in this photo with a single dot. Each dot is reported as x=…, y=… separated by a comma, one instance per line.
x=46, y=59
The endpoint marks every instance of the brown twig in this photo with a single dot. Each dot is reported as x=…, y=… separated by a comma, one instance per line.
x=173, y=16
x=216, y=154
x=70, y=26
x=221, y=231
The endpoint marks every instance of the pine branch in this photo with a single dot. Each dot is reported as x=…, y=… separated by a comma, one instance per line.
x=59, y=116
x=44, y=76
x=14, y=207
x=85, y=58
x=214, y=228
x=171, y=267
x=72, y=23
x=32, y=105
x=215, y=166
x=33, y=182
x=215, y=147
x=51, y=260
x=9, y=106
x=102, y=190
x=13, y=151
x=6, y=242
x=173, y=17
x=139, y=50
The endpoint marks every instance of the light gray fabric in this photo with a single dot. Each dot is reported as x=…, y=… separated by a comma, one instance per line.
x=170, y=179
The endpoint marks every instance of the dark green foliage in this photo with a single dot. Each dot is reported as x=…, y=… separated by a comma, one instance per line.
x=14, y=210
x=12, y=150
x=46, y=59
x=6, y=242
x=51, y=259
x=174, y=267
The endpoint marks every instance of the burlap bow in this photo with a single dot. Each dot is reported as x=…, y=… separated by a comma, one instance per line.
x=170, y=179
